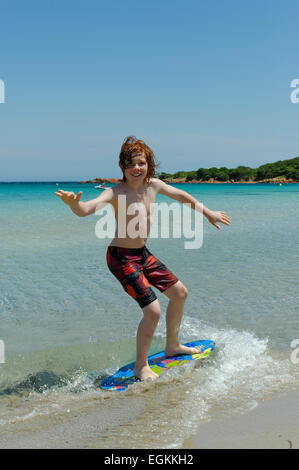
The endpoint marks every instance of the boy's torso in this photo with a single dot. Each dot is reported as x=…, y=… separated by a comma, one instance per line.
x=133, y=212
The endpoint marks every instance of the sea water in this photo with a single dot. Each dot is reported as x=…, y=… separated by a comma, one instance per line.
x=65, y=320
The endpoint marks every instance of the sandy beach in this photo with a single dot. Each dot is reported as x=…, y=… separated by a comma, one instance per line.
x=82, y=429
x=273, y=424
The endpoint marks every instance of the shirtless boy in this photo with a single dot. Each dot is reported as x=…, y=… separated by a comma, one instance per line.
x=129, y=259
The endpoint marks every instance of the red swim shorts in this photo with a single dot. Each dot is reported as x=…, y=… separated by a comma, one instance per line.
x=137, y=269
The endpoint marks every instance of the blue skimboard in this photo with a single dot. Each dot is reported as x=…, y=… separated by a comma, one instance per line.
x=158, y=363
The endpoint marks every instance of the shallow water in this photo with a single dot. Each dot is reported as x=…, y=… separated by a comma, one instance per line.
x=65, y=320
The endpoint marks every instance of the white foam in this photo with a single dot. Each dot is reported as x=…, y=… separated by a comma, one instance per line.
x=240, y=370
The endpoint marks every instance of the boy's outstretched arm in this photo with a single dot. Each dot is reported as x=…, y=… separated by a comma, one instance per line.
x=185, y=198
x=82, y=209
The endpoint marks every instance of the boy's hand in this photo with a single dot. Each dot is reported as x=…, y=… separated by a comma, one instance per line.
x=68, y=197
x=215, y=216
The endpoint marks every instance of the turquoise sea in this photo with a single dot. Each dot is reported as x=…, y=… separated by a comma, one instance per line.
x=65, y=320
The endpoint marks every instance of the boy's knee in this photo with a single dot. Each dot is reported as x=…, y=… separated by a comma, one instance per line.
x=184, y=292
x=154, y=310
x=177, y=292
x=181, y=291
x=156, y=313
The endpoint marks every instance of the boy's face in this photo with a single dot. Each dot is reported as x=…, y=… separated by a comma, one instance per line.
x=137, y=169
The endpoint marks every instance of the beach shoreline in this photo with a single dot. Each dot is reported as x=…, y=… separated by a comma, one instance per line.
x=273, y=424
x=211, y=181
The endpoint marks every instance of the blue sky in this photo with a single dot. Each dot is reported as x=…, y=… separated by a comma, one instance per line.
x=203, y=83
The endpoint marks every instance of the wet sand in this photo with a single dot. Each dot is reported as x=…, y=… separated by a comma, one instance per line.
x=81, y=430
x=273, y=424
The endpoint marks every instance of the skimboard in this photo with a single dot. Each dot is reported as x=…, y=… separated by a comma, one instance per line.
x=124, y=377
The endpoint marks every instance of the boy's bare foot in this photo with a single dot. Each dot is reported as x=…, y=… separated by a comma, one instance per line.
x=180, y=349
x=144, y=372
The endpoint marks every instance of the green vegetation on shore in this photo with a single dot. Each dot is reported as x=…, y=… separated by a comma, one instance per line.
x=281, y=170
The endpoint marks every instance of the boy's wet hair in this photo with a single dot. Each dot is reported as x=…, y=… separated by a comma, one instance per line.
x=132, y=146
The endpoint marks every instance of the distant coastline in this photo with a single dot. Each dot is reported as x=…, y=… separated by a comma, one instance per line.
x=280, y=172
x=183, y=180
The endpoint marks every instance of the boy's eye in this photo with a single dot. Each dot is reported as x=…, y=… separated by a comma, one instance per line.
x=132, y=166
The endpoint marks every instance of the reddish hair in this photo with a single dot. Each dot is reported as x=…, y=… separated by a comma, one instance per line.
x=132, y=145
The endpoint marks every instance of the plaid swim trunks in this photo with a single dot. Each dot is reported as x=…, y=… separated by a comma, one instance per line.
x=137, y=269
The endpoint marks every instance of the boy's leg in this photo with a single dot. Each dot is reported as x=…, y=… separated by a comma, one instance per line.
x=145, y=333
x=177, y=295
x=127, y=266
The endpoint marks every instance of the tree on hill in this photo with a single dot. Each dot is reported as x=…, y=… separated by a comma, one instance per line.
x=283, y=168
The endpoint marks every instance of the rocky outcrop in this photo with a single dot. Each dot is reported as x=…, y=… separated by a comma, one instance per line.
x=101, y=180
x=278, y=180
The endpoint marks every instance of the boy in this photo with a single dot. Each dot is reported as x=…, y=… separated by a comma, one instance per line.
x=129, y=259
